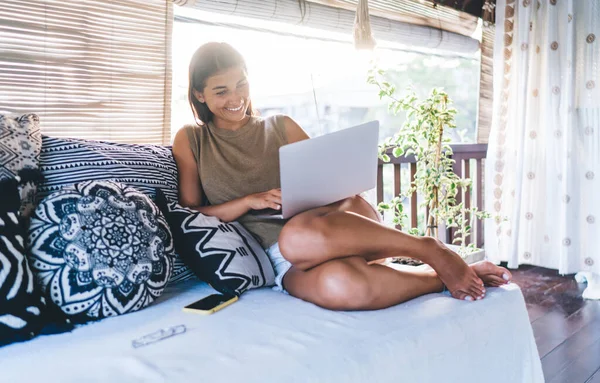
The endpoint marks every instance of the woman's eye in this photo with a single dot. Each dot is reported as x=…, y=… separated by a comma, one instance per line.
x=243, y=84
x=221, y=92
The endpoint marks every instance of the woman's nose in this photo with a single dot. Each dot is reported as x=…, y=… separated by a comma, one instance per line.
x=237, y=99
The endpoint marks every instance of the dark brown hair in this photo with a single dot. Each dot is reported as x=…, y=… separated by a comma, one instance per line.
x=207, y=61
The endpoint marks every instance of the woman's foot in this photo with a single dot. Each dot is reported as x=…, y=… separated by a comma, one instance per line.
x=491, y=274
x=462, y=281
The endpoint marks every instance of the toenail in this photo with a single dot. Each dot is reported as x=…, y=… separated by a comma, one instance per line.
x=505, y=276
x=468, y=298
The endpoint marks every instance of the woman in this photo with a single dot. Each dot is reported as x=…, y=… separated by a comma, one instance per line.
x=326, y=255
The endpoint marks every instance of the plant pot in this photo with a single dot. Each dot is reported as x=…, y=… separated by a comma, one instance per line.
x=472, y=257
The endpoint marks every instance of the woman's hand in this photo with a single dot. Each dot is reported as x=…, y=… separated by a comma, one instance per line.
x=266, y=200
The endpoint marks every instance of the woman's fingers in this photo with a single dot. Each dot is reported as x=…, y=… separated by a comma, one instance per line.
x=273, y=202
x=275, y=198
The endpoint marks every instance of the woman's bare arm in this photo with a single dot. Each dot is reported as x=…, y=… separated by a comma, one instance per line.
x=190, y=190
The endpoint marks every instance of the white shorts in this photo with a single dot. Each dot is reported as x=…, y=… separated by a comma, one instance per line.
x=280, y=265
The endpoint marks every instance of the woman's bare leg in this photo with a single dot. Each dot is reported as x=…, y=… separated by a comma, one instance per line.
x=352, y=284
x=350, y=228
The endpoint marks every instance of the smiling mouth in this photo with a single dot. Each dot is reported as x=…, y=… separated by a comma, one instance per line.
x=235, y=109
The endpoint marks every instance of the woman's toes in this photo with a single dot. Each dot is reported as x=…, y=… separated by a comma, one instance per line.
x=495, y=281
x=463, y=296
x=491, y=273
x=477, y=294
x=478, y=285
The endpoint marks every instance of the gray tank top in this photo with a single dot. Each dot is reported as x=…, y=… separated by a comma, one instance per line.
x=234, y=164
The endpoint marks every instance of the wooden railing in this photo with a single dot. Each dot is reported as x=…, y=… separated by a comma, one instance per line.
x=469, y=164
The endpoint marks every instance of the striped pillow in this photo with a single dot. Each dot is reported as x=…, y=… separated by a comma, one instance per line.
x=69, y=161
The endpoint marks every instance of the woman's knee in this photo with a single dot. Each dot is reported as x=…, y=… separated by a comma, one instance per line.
x=357, y=204
x=344, y=285
x=302, y=235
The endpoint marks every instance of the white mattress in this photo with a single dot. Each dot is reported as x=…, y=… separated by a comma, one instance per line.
x=271, y=337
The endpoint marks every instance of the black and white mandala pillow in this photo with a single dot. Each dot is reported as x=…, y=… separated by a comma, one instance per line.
x=69, y=161
x=100, y=249
x=225, y=255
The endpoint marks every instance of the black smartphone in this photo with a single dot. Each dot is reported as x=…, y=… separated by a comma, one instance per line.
x=211, y=304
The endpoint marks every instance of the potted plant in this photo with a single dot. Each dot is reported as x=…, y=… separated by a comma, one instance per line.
x=422, y=136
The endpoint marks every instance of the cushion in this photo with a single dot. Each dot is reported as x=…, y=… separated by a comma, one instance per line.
x=224, y=255
x=66, y=162
x=20, y=144
x=100, y=249
x=21, y=304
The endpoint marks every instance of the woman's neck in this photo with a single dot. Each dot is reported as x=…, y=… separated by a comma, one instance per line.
x=230, y=125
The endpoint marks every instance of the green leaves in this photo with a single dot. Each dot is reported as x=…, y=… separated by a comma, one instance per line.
x=383, y=206
x=422, y=135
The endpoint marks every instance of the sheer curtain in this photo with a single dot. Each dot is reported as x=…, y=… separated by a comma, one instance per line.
x=543, y=166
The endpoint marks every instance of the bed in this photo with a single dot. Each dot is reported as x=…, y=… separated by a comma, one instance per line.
x=272, y=337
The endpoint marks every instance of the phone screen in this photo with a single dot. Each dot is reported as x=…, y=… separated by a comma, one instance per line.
x=209, y=302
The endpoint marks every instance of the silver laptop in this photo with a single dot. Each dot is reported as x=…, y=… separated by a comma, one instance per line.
x=327, y=169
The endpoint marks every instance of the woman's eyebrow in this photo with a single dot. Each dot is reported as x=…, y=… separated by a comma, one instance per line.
x=219, y=87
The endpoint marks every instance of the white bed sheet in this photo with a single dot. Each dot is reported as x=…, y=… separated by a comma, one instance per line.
x=271, y=337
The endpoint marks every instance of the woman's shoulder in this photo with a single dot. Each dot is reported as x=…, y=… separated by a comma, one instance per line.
x=275, y=123
x=191, y=127
x=188, y=135
x=193, y=130
x=275, y=120
x=287, y=128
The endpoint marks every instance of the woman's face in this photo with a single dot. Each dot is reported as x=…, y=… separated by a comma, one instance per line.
x=227, y=94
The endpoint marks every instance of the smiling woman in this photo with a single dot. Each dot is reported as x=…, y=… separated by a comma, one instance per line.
x=229, y=159
x=214, y=94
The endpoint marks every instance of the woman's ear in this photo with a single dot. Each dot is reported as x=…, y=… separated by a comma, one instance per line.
x=198, y=95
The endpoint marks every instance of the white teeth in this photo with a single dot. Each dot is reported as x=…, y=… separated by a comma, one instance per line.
x=235, y=109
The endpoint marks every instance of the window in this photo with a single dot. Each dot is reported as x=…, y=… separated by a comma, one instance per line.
x=318, y=78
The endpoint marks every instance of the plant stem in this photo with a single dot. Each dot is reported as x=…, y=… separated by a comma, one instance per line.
x=432, y=224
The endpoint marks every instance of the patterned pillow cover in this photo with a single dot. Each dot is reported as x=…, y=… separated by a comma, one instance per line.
x=100, y=249
x=20, y=145
x=224, y=255
x=68, y=161
x=21, y=305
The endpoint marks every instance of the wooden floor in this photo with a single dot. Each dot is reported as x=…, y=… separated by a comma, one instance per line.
x=566, y=327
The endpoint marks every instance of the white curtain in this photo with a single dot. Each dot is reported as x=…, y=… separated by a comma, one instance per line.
x=543, y=162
